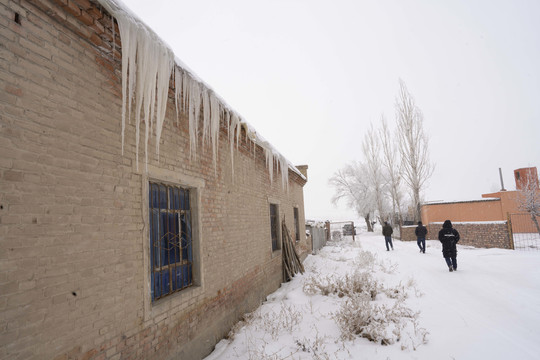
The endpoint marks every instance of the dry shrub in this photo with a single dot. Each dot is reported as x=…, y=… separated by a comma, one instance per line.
x=382, y=324
x=356, y=283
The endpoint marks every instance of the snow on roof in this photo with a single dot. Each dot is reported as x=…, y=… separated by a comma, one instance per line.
x=437, y=202
x=147, y=66
x=474, y=222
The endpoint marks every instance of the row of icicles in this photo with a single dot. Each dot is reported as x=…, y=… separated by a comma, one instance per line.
x=147, y=67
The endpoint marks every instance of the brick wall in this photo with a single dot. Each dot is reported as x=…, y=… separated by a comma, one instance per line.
x=74, y=273
x=477, y=234
x=407, y=233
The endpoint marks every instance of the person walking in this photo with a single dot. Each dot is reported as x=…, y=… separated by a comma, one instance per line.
x=387, y=231
x=421, y=232
x=449, y=237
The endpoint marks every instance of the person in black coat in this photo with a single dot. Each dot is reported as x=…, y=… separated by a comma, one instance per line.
x=449, y=237
x=421, y=232
x=387, y=231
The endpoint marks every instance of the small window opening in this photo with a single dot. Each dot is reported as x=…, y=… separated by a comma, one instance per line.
x=274, y=226
x=17, y=18
x=296, y=224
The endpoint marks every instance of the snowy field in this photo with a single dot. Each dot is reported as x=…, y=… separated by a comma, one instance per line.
x=358, y=301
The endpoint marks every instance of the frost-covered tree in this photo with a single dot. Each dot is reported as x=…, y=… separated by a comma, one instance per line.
x=392, y=166
x=372, y=153
x=529, y=199
x=352, y=185
x=413, y=146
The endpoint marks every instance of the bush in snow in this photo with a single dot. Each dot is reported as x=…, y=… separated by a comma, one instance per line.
x=273, y=323
x=383, y=323
x=356, y=283
x=380, y=323
x=314, y=347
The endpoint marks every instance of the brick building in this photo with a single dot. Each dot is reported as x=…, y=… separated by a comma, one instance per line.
x=491, y=207
x=483, y=222
x=111, y=250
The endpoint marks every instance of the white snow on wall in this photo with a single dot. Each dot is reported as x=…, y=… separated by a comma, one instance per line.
x=147, y=66
x=474, y=222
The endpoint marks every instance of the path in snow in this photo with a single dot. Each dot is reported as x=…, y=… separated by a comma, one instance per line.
x=488, y=309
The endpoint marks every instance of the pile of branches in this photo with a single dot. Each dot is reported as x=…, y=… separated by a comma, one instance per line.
x=291, y=261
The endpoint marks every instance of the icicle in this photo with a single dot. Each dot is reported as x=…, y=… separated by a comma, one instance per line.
x=269, y=163
x=194, y=111
x=165, y=66
x=227, y=116
x=214, y=127
x=234, y=127
x=146, y=71
x=129, y=46
x=177, y=93
x=206, y=116
x=185, y=91
x=147, y=64
x=284, y=168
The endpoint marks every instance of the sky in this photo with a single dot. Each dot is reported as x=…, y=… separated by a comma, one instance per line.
x=311, y=76
x=487, y=309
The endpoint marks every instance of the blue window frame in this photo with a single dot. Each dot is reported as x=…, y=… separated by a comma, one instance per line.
x=171, y=246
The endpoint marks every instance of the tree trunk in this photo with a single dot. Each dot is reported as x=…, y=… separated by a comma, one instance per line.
x=368, y=223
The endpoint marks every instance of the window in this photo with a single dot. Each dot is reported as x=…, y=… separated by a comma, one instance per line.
x=171, y=251
x=296, y=224
x=274, y=226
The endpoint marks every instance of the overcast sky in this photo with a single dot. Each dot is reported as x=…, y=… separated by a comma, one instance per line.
x=311, y=75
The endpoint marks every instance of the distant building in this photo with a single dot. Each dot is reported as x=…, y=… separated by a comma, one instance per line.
x=491, y=207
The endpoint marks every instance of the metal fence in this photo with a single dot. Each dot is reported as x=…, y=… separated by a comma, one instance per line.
x=318, y=237
x=525, y=232
x=341, y=229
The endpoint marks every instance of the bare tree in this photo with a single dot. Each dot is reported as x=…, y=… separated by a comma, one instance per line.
x=352, y=185
x=372, y=152
x=529, y=199
x=413, y=146
x=392, y=167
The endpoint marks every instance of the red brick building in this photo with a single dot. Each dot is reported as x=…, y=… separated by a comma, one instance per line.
x=493, y=208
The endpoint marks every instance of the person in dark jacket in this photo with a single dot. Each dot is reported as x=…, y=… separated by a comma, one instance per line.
x=421, y=232
x=387, y=231
x=449, y=237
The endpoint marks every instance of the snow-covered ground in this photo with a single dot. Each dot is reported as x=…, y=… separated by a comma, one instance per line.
x=488, y=309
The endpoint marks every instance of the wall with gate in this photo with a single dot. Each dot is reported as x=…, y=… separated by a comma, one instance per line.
x=525, y=232
x=494, y=234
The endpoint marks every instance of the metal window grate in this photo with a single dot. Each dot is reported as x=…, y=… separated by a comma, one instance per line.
x=171, y=248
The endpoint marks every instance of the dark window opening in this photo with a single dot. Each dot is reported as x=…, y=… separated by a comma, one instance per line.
x=17, y=18
x=296, y=224
x=274, y=226
x=171, y=248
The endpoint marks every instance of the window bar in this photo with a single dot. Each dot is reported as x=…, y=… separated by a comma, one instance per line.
x=168, y=238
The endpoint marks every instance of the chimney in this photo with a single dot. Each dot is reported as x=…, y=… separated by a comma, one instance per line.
x=302, y=169
x=502, y=183
x=526, y=177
